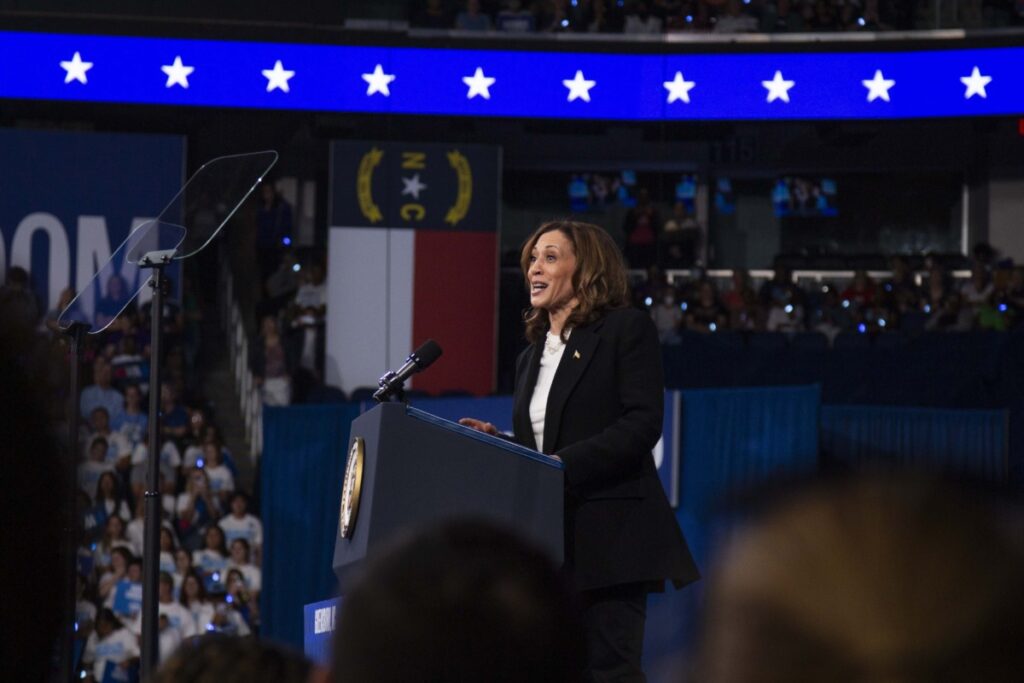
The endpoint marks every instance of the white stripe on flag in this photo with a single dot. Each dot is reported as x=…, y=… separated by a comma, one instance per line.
x=369, y=303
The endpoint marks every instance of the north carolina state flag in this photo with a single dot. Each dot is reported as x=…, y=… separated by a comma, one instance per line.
x=413, y=255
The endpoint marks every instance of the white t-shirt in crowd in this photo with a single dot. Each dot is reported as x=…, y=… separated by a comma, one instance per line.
x=183, y=500
x=169, y=640
x=252, y=575
x=89, y=473
x=209, y=561
x=118, y=647
x=180, y=625
x=180, y=618
x=191, y=455
x=202, y=616
x=118, y=446
x=220, y=477
x=135, y=532
x=247, y=526
x=170, y=456
x=112, y=508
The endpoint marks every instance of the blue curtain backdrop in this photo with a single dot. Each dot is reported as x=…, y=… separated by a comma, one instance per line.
x=970, y=442
x=304, y=454
x=732, y=440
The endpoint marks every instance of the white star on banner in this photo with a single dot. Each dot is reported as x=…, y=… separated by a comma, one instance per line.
x=679, y=88
x=579, y=87
x=878, y=87
x=975, y=84
x=76, y=69
x=413, y=186
x=378, y=81
x=177, y=73
x=778, y=87
x=478, y=84
x=277, y=77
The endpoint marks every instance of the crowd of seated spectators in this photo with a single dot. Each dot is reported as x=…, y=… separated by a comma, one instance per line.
x=717, y=16
x=992, y=298
x=210, y=542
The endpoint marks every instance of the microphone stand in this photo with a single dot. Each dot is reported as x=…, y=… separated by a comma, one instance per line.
x=389, y=393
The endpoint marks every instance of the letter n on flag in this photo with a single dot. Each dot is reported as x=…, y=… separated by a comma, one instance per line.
x=413, y=255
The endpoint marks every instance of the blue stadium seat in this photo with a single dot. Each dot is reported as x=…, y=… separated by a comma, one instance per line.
x=889, y=340
x=767, y=341
x=809, y=341
x=727, y=339
x=851, y=340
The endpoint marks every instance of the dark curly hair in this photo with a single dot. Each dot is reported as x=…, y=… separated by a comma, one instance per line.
x=599, y=281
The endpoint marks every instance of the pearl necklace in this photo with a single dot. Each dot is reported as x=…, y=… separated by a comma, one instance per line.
x=553, y=343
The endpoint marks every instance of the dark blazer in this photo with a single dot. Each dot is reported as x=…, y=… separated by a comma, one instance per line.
x=604, y=417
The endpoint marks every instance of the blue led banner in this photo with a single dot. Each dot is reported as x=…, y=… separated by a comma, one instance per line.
x=809, y=85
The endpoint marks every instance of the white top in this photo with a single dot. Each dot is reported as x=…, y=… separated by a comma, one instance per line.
x=118, y=647
x=251, y=574
x=550, y=356
x=247, y=527
x=221, y=479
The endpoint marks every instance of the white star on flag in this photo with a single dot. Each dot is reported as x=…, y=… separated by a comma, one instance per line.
x=478, y=84
x=76, y=69
x=679, y=88
x=975, y=84
x=579, y=87
x=878, y=87
x=778, y=87
x=177, y=73
x=413, y=186
x=277, y=77
x=378, y=81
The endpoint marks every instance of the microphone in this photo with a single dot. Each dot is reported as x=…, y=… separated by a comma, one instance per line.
x=420, y=359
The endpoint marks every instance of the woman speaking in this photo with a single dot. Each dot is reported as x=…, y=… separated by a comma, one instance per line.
x=589, y=390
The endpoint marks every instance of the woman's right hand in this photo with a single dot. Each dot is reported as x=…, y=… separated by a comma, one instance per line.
x=479, y=425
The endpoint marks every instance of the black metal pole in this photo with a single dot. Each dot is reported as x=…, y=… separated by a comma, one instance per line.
x=151, y=534
x=66, y=645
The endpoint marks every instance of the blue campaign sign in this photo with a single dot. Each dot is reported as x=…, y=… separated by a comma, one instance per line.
x=127, y=598
x=69, y=200
x=115, y=673
x=515, y=83
x=318, y=621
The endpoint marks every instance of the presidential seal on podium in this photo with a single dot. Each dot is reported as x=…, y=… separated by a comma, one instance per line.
x=351, y=489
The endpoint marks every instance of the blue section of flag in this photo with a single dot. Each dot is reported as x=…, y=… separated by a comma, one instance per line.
x=826, y=85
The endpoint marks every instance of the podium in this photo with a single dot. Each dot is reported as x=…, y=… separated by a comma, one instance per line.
x=407, y=468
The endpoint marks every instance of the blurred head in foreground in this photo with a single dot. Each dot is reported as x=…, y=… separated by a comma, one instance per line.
x=874, y=579
x=40, y=517
x=216, y=658
x=464, y=601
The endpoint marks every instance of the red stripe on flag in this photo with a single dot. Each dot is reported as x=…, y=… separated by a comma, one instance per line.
x=454, y=303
